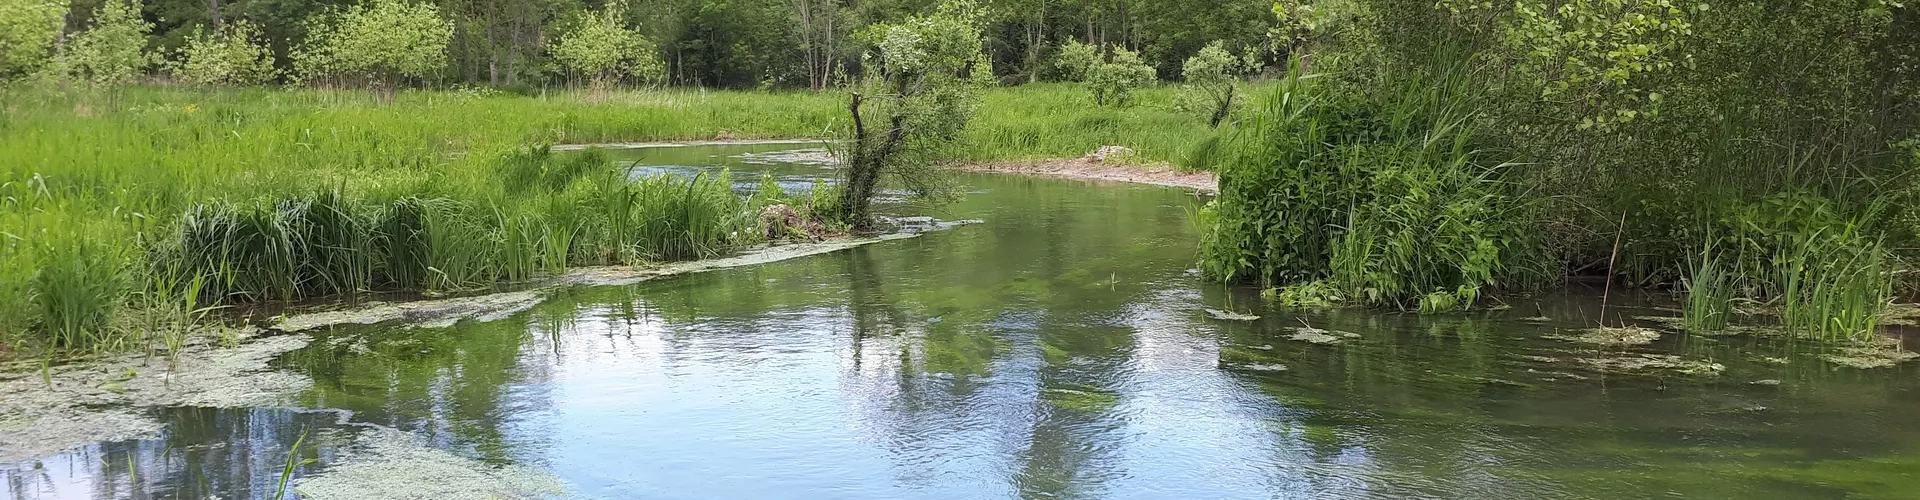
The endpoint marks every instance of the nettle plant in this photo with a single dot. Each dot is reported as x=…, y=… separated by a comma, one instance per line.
x=605, y=49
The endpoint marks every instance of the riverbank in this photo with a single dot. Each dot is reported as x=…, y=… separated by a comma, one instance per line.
x=89, y=236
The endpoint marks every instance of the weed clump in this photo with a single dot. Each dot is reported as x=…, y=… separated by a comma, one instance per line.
x=1376, y=200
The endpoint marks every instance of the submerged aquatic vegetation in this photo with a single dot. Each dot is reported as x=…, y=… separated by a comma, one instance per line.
x=1872, y=355
x=1607, y=336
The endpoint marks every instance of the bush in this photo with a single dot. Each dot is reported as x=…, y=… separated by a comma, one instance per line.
x=378, y=43
x=235, y=55
x=1211, y=88
x=1112, y=82
x=1075, y=61
x=113, y=50
x=27, y=30
x=1376, y=201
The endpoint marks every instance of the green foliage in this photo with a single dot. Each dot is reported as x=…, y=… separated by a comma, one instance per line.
x=27, y=31
x=1598, y=53
x=1113, y=81
x=605, y=49
x=236, y=55
x=78, y=287
x=1211, y=82
x=112, y=51
x=1076, y=60
x=379, y=41
x=1379, y=202
x=924, y=80
x=1710, y=292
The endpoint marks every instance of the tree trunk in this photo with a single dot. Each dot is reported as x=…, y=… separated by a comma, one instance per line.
x=213, y=14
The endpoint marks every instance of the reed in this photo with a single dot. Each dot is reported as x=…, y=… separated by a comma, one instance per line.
x=1709, y=300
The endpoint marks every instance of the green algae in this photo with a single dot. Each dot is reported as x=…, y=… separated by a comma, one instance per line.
x=1609, y=336
x=1079, y=398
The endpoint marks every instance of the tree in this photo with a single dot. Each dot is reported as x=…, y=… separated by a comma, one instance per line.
x=27, y=30
x=606, y=50
x=1076, y=60
x=378, y=42
x=1211, y=83
x=233, y=55
x=1112, y=82
x=112, y=51
x=924, y=76
x=817, y=21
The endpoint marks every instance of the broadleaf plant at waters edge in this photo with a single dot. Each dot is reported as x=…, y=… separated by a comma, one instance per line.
x=922, y=86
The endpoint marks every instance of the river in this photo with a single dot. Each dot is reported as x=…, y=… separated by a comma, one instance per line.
x=1058, y=349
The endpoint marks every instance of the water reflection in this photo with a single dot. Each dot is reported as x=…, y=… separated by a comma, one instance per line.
x=203, y=453
x=1057, y=351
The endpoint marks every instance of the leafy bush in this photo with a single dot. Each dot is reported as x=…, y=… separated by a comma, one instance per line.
x=1113, y=81
x=27, y=30
x=604, y=49
x=1075, y=61
x=1211, y=86
x=378, y=42
x=113, y=50
x=235, y=55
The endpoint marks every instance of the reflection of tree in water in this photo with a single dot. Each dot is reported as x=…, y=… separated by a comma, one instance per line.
x=1026, y=341
x=446, y=384
x=202, y=453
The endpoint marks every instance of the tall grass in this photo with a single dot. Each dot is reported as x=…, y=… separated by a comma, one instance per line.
x=1709, y=305
x=1376, y=199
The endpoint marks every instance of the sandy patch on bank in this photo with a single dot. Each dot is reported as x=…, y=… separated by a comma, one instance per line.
x=1088, y=169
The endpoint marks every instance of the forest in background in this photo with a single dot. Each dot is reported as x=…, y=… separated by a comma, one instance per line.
x=727, y=43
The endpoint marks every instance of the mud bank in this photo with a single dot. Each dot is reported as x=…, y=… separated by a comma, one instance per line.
x=1090, y=169
x=682, y=144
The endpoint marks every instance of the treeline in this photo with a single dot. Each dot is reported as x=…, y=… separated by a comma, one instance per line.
x=533, y=43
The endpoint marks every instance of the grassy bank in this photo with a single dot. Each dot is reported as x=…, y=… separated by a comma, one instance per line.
x=127, y=213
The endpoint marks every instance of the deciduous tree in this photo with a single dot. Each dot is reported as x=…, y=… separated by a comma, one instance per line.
x=922, y=86
x=378, y=43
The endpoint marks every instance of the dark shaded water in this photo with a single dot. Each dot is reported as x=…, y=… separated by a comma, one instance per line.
x=1057, y=351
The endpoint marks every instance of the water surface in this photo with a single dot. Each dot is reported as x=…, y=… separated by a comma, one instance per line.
x=1058, y=350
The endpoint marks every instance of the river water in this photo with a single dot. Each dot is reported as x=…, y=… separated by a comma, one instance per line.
x=1060, y=349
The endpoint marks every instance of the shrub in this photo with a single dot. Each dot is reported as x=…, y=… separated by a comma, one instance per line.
x=1076, y=60
x=113, y=50
x=1112, y=82
x=235, y=55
